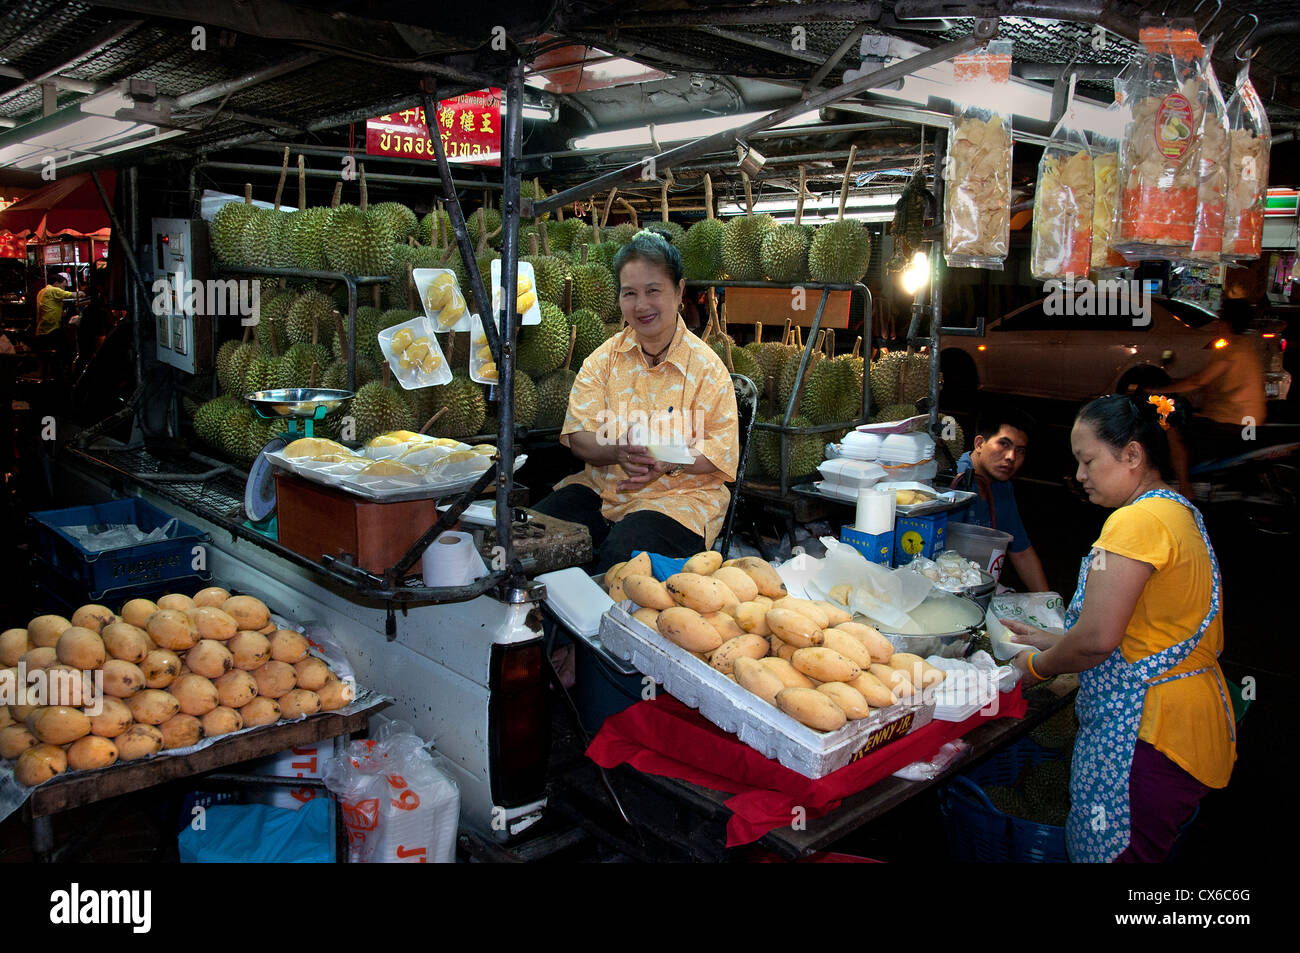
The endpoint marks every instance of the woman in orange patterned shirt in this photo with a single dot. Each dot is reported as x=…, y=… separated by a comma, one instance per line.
x=653, y=383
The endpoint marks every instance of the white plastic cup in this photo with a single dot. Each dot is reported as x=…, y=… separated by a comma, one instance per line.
x=875, y=511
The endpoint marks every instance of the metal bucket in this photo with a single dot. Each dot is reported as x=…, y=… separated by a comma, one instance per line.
x=951, y=644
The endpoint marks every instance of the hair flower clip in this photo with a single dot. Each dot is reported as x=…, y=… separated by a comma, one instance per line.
x=1164, y=407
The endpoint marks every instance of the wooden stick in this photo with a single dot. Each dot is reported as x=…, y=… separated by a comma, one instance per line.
x=432, y=420
x=342, y=332
x=848, y=172
x=708, y=195
x=798, y=207
x=284, y=171
x=248, y=332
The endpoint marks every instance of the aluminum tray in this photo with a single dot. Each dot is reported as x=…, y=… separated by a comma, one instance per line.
x=766, y=729
x=389, y=490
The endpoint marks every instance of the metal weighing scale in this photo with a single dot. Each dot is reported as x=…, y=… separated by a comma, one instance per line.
x=302, y=407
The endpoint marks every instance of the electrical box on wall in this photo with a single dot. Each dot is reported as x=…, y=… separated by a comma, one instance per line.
x=182, y=323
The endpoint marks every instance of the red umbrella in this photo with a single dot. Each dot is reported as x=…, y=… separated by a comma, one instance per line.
x=66, y=206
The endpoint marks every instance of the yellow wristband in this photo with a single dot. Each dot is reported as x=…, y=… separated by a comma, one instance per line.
x=1029, y=664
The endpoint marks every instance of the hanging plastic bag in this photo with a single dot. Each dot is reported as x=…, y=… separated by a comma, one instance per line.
x=1106, y=140
x=977, y=196
x=1211, y=163
x=1158, y=162
x=398, y=806
x=1248, y=136
x=1061, y=239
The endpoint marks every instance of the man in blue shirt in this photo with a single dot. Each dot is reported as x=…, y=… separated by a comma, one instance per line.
x=1001, y=442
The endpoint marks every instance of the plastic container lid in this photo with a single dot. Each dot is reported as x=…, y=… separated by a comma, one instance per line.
x=906, y=448
x=861, y=446
x=851, y=473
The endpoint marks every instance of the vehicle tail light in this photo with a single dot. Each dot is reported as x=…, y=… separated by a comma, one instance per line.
x=519, y=724
x=1220, y=344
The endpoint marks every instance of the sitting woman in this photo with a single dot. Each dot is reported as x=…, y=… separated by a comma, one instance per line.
x=1144, y=631
x=653, y=383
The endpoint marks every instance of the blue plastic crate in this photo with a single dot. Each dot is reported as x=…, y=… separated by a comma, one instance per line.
x=978, y=832
x=56, y=594
x=128, y=566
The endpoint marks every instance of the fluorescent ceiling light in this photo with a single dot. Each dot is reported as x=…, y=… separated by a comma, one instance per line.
x=546, y=113
x=679, y=131
x=810, y=206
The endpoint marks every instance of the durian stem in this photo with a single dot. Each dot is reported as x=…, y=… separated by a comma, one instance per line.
x=315, y=329
x=713, y=314
x=284, y=171
x=568, y=295
x=537, y=192
x=595, y=223
x=388, y=373
x=609, y=206
x=482, y=230
x=857, y=347
x=365, y=194
x=433, y=420
x=636, y=219
x=377, y=296
x=749, y=193
x=584, y=253
x=708, y=195
x=315, y=372
x=532, y=244
x=573, y=338
x=844, y=186
x=248, y=193
x=663, y=201
x=559, y=213
x=758, y=332
x=803, y=187
x=275, y=342
x=338, y=195
x=302, y=182
x=546, y=238
x=248, y=332
x=411, y=297
x=342, y=332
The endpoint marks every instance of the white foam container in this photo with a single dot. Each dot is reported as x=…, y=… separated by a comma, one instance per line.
x=851, y=473
x=905, y=448
x=859, y=445
x=765, y=728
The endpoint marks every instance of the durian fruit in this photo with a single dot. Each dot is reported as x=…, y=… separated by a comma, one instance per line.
x=622, y=233
x=804, y=454
x=554, y=389
x=541, y=347
x=335, y=376
x=209, y=417
x=784, y=254
x=675, y=232
x=258, y=374
x=891, y=412
x=369, y=324
x=532, y=189
x=432, y=225
x=742, y=241
x=956, y=443
x=485, y=224
x=294, y=368
x=271, y=330
x=1058, y=731
x=702, y=250
x=591, y=334
x=377, y=409
x=550, y=274
x=525, y=405
x=225, y=365
x=397, y=291
x=228, y=228
x=594, y=288
x=569, y=235
x=256, y=247
x=744, y=363
x=1046, y=787
x=401, y=220
x=602, y=253
x=841, y=250
x=771, y=356
x=241, y=358
x=465, y=408
x=788, y=379
x=1007, y=800
x=833, y=391
x=358, y=240
x=305, y=233
x=259, y=434
x=310, y=315
x=900, y=377
x=234, y=432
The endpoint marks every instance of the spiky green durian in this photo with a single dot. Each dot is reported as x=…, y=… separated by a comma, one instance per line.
x=742, y=246
x=701, y=249
x=839, y=252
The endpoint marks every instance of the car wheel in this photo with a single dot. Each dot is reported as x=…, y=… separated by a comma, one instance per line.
x=1142, y=378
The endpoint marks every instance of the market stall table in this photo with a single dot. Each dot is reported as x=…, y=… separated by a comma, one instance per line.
x=89, y=787
x=700, y=806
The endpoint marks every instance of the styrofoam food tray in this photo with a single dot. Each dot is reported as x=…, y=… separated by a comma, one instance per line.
x=381, y=489
x=766, y=729
x=420, y=327
x=423, y=279
x=534, y=314
x=944, y=500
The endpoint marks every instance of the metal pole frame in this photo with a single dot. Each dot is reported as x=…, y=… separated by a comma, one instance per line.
x=936, y=278
x=985, y=30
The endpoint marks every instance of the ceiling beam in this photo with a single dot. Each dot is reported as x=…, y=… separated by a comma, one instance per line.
x=104, y=37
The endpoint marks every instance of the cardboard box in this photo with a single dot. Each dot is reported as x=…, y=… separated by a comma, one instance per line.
x=919, y=536
x=774, y=305
x=877, y=549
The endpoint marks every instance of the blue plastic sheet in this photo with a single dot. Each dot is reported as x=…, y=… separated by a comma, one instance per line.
x=258, y=834
x=663, y=566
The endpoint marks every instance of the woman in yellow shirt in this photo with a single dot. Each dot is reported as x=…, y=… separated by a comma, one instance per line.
x=1144, y=631
x=653, y=383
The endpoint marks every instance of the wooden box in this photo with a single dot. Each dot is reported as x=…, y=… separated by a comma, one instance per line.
x=775, y=305
x=316, y=520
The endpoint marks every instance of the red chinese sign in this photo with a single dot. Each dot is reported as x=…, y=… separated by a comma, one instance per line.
x=470, y=126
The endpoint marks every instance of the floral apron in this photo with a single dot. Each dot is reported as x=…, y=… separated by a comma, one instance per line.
x=1109, y=707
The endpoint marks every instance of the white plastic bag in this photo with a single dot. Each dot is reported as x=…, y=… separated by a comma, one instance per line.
x=879, y=593
x=1046, y=610
x=397, y=805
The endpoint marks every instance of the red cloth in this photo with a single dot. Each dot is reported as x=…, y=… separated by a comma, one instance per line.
x=664, y=737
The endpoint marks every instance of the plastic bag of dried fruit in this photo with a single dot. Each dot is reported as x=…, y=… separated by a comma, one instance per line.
x=1061, y=239
x=1248, y=138
x=1105, y=140
x=1211, y=163
x=1159, y=171
x=977, y=172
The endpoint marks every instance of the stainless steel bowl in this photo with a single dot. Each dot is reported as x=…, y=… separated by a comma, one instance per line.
x=296, y=401
x=951, y=644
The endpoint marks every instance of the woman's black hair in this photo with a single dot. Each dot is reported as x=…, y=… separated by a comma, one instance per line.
x=1119, y=420
x=653, y=246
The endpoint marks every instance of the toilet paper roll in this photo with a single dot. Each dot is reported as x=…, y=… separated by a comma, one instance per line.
x=875, y=512
x=450, y=560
